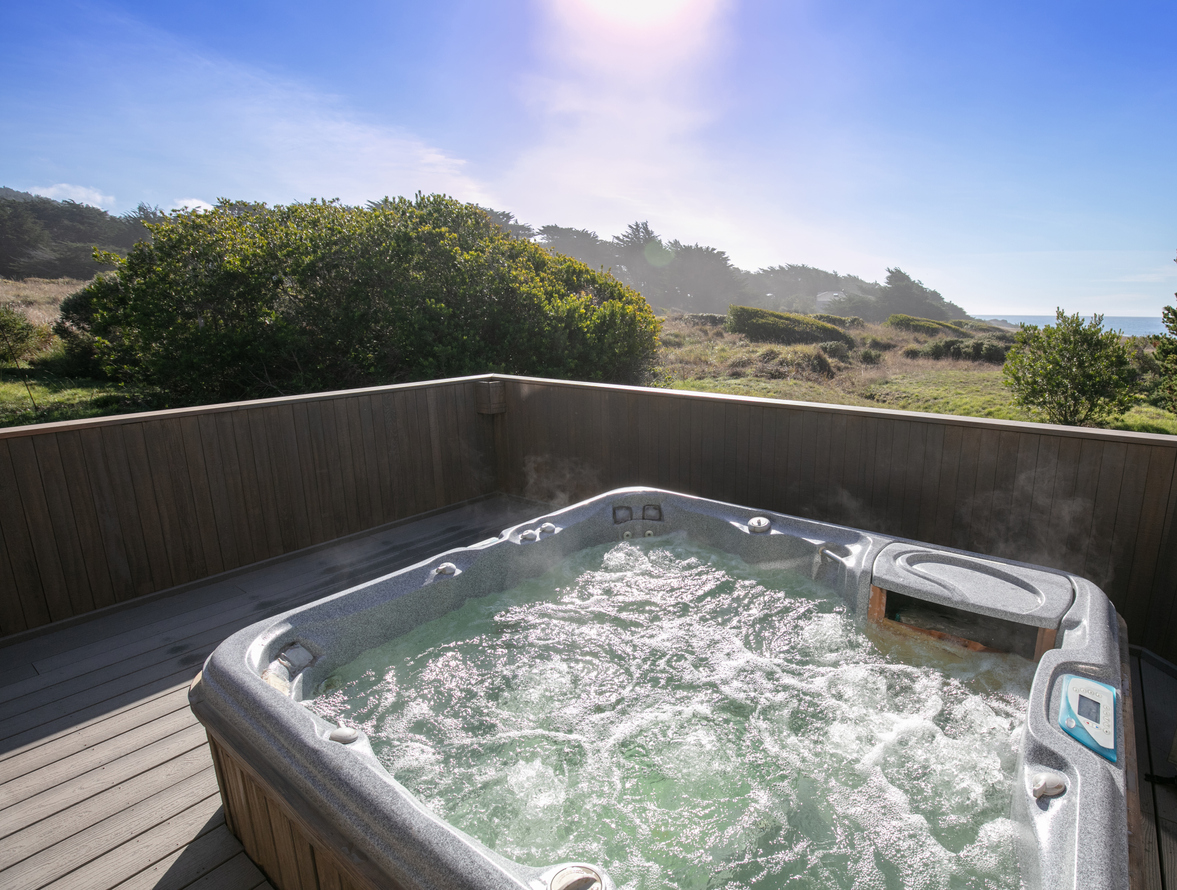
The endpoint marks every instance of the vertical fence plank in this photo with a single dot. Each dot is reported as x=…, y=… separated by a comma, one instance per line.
x=63, y=516
x=936, y=457
x=1156, y=631
x=266, y=541
x=332, y=486
x=1147, y=552
x=205, y=438
x=248, y=531
x=1107, y=497
x=289, y=477
x=1128, y=508
x=27, y=476
x=311, y=474
x=339, y=442
x=195, y=468
x=76, y=476
x=18, y=545
x=371, y=460
x=172, y=499
x=125, y=559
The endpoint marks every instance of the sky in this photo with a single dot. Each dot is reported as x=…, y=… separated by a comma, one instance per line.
x=1016, y=156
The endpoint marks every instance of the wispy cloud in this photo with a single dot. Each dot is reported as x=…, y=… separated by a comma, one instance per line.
x=190, y=204
x=620, y=97
x=630, y=101
x=83, y=194
x=213, y=127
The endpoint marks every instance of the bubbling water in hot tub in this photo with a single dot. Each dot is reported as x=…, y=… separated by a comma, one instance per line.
x=687, y=720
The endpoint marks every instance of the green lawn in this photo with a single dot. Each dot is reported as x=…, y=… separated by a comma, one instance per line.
x=57, y=398
x=797, y=390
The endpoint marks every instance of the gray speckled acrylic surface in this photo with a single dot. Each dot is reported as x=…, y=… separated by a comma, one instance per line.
x=252, y=685
x=974, y=584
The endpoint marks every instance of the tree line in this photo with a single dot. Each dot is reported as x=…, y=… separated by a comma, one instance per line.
x=44, y=238
x=694, y=278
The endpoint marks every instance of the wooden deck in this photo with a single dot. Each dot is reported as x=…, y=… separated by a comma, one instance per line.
x=106, y=779
x=1154, y=682
x=105, y=776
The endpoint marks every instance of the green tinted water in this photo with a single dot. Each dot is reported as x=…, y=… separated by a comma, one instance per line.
x=685, y=721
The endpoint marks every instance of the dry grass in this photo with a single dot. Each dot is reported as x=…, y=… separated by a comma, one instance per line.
x=705, y=352
x=38, y=298
x=708, y=359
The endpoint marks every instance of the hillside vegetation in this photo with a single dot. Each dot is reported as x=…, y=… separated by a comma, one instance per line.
x=44, y=238
x=677, y=277
x=889, y=367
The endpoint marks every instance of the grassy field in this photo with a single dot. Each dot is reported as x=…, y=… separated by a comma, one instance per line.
x=56, y=398
x=708, y=359
x=38, y=298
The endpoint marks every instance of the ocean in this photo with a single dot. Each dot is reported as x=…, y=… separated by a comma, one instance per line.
x=1132, y=325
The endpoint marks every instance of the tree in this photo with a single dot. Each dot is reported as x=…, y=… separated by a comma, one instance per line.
x=1072, y=372
x=1166, y=356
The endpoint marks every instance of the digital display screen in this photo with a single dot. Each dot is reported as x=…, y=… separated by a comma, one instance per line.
x=1088, y=709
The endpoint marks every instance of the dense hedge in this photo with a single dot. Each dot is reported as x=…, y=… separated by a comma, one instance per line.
x=927, y=326
x=840, y=321
x=766, y=326
x=248, y=300
x=980, y=350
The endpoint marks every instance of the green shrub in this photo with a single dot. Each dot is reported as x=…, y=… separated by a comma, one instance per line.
x=20, y=339
x=704, y=319
x=870, y=357
x=880, y=345
x=73, y=328
x=248, y=300
x=835, y=349
x=926, y=326
x=764, y=325
x=984, y=350
x=912, y=352
x=1071, y=372
x=817, y=363
x=840, y=321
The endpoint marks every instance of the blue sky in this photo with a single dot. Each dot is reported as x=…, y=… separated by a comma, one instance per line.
x=1017, y=156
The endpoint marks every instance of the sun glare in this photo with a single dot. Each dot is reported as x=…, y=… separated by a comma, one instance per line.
x=637, y=13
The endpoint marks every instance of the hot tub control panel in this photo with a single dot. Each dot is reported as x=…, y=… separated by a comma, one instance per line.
x=1088, y=714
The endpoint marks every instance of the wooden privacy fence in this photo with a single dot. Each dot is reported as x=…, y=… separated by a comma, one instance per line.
x=97, y=512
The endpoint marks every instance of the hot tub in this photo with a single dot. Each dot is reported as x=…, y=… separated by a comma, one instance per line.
x=314, y=806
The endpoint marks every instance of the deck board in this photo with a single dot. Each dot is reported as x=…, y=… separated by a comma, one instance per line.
x=105, y=777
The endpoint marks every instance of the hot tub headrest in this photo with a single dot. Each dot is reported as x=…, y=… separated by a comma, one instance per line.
x=972, y=584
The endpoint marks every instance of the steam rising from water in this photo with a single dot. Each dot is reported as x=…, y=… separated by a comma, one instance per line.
x=665, y=711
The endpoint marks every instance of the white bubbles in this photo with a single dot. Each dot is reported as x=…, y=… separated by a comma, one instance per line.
x=665, y=711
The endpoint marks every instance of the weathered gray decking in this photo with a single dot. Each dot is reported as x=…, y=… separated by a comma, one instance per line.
x=1154, y=684
x=105, y=777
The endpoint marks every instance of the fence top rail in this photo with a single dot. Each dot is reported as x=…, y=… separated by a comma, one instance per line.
x=1048, y=429
x=36, y=429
